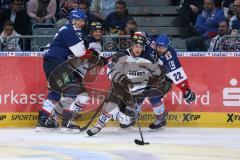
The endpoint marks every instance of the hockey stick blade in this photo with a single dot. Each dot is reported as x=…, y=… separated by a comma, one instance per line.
x=139, y=142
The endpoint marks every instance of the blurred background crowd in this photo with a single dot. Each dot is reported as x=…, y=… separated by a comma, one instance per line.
x=193, y=25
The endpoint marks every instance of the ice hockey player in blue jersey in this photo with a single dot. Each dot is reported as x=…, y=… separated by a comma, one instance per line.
x=167, y=57
x=68, y=42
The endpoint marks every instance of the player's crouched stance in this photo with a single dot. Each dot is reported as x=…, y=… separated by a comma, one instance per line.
x=129, y=74
x=65, y=64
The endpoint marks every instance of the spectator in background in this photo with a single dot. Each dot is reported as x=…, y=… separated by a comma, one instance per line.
x=206, y=26
x=231, y=43
x=84, y=6
x=5, y=5
x=222, y=31
x=235, y=20
x=130, y=28
x=42, y=11
x=226, y=4
x=116, y=21
x=102, y=8
x=8, y=43
x=230, y=13
x=188, y=13
x=65, y=7
x=20, y=19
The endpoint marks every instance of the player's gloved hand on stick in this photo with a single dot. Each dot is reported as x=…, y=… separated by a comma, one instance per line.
x=189, y=96
x=124, y=80
x=96, y=58
x=102, y=61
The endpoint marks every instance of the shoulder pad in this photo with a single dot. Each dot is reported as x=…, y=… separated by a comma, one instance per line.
x=118, y=55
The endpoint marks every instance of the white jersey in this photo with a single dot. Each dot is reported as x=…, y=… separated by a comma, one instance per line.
x=137, y=69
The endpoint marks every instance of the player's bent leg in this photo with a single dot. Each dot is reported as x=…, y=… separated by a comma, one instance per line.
x=107, y=114
x=44, y=114
x=71, y=110
x=138, y=108
x=102, y=120
x=161, y=116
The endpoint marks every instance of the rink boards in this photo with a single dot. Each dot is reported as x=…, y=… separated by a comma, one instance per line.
x=175, y=119
x=213, y=76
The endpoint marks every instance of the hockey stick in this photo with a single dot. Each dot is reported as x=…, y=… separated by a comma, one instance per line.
x=97, y=111
x=93, y=117
x=140, y=142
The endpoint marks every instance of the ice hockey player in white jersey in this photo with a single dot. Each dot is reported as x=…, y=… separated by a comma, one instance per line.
x=62, y=99
x=95, y=39
x=130, y=76
x=166, y=56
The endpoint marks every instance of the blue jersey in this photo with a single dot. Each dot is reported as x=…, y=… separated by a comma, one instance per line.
x=68, y=41
x=149, y=51
x=169, y=59
x=174, y=68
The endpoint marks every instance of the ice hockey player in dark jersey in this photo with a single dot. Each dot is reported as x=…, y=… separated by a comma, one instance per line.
x=68, y=42
x=167, y=57
x=94, y=41
x=130, y=75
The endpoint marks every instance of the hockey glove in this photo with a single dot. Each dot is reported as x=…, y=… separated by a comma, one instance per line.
x=124, y=80
x=90, y=54
x=162, y=83
x=189, y=96
x=101, y=61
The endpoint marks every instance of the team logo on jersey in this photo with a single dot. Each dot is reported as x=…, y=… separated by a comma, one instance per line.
x=79, y=34
x=153, y=45
x=168, y=55
x=172, y=65
x=137, y=73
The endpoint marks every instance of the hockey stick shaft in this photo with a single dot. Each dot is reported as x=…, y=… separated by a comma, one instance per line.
x=93, y=117
x=141, y=134
x=140, y=128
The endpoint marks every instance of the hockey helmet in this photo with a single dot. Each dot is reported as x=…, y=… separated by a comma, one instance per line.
x=139, y=38
x=96, y=26
x=77, y=14
x=162, y=40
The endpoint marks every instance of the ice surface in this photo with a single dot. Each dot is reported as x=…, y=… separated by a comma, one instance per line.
x=114, y=143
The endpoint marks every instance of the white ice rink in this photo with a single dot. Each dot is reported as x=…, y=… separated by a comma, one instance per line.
x=113, y=143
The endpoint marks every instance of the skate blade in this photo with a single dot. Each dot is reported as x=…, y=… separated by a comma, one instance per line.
x=157, y=129
x=69, y=131
x=45, y=129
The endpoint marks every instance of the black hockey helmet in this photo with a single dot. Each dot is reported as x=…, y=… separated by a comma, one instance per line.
x=96, y=26
x=139, y=38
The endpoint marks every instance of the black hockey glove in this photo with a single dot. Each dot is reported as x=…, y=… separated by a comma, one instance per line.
x=124, y=80
x=92, y=56
x=162, y=83
x=189, y=96
x=156, y=80
x=102, y=61
x=121, y=88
